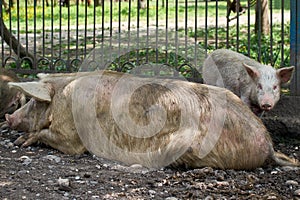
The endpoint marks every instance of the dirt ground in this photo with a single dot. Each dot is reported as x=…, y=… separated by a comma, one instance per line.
x=39, y=172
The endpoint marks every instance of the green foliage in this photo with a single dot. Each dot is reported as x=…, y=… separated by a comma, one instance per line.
x=73, y=17
x=258, y=45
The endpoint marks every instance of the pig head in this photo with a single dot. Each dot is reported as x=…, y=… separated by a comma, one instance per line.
x=267, y=84
x=47, y=117
x=10, y=98
x=147, y=121
x=256, y=84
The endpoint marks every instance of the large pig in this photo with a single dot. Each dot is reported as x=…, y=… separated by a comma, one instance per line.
x=10, y=98
x=152, y=122
x=256, y=84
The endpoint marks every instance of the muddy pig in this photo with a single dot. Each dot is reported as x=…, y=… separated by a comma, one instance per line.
x=147, y=121
x=256, y=84
x=10, y=98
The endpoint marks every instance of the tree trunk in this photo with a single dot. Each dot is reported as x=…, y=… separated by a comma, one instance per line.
x=11, y=40
x=262, y=17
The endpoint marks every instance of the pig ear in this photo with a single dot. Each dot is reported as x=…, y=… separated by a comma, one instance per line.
x=285, y=73
x=252, y=71
x=42, y=75
x=37, y=90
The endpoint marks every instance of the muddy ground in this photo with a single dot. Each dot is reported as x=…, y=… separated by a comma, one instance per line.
x=40, y=172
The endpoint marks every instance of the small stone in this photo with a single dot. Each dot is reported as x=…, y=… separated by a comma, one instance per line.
x=272, y=197
x=27, y=161
x=208, y=198
x=98, y=166
x=289, y=168
x=171, y=198
x=297, y=193
x=93, y=182
x=10, y=145
x=66, y=194
x=63, y=182
x=291, y=182
x=53, y=158
x=152, y=192
x=274, y=172
x=22, y=158
x=222, y=183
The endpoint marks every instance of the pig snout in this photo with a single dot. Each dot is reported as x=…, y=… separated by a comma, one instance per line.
x=11, y=120
x=266, y=107
x=267, y=104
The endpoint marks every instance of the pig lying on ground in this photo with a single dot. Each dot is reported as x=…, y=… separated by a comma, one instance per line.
x=10, y=98
x=152, y=122
x=256, y=84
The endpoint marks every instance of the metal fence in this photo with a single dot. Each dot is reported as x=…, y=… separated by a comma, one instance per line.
x=167, y=38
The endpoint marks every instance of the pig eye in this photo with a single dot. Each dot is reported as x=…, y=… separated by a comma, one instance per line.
x=259, y=86
x=274, y=87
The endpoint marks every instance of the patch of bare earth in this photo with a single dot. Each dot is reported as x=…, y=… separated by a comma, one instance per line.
x=39, y=172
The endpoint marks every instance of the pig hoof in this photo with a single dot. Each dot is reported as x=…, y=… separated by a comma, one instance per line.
x=33, y=138
x=26, y=140
x=20, y=140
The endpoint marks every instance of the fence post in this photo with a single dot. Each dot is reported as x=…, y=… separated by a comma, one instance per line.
x=295, y=45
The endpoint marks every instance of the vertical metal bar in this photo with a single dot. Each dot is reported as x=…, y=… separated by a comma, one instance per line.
x=129, y=28
x=227, y=28
x=52, y=36
x=110, y=27
x=43, y=30
x=206, y=26
x=34, y=36
x=1, y=30
x=295, y=46
x=176, y=35
x=167, y=28
x=195, y=41
x=216, y=28
x=259, y=32
x=94, y=25
x=60, y=32
x=102, y=32
x=186, y=27
x=138, y=33
x=10, y=27
x=156, y=37
x=85, y=27
x=282, y=33
x=69, y=45
x=26, y=25
x=271, y=34
x=248, y=29
x=147, y=36
x=18, y=30
x=77, y=29
x=119, y=36
x=237, y=25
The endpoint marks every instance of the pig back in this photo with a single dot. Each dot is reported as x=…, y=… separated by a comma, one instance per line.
x=244, y=142
x=159, y=122
x=224, y=68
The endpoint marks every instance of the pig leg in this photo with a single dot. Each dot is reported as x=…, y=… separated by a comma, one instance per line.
x=24, y=138
x=54, y=140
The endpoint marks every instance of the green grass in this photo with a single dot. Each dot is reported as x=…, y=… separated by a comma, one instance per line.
x=55, y=16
